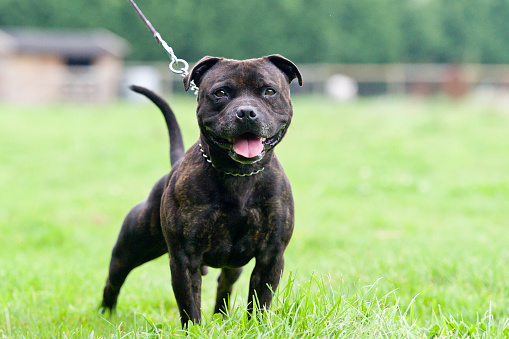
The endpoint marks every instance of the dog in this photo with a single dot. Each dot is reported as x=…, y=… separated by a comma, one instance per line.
x=227, y=199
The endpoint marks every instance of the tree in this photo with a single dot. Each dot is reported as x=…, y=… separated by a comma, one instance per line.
x=370, y=31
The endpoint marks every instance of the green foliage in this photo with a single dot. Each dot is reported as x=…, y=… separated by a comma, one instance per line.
x=414, y=192
x=368, y=31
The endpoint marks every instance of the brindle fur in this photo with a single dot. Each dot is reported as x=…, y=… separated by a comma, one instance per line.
x=204, y=217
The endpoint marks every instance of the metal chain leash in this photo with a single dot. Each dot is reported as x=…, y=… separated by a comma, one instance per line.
x=183, y=71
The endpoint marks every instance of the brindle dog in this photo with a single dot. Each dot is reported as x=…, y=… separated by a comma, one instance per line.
x=227, y=199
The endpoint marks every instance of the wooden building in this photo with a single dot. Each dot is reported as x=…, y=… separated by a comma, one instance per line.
x=42, y=66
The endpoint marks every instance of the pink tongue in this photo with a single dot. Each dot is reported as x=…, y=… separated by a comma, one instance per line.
x=248, y=146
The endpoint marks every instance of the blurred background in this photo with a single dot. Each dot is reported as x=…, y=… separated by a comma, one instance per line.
x=397, y=155
x=59, y=50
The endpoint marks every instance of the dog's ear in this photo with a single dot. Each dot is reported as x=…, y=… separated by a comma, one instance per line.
x=199, y=70
x=286, y=66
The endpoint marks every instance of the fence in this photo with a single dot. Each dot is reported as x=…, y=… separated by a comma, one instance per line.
x=388, y=79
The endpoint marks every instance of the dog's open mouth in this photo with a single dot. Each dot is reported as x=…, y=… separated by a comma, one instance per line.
x=248, y=148
x=248, y=145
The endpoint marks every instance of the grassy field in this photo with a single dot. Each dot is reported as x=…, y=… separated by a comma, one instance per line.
x=402, y=222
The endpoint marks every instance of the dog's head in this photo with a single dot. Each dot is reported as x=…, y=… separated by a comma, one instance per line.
x=244, y=107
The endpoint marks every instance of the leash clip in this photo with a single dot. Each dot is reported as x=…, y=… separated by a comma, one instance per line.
x=184, y=70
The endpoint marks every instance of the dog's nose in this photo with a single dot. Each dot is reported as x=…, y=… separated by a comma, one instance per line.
x=246, y=112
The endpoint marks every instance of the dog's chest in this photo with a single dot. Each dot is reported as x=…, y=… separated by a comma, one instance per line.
x=234, y=238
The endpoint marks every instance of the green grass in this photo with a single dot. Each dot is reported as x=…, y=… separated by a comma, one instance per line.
x=402, y=222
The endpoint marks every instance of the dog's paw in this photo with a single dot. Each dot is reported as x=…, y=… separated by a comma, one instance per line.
x=103, y=309
x=204, y=270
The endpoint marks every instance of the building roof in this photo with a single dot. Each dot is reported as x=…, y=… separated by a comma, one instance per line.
x=68, y=43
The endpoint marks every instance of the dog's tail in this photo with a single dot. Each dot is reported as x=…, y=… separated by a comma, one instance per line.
x=176, y=143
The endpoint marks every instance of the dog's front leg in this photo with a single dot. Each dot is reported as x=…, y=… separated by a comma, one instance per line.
x=186, y=283
x=264, y=280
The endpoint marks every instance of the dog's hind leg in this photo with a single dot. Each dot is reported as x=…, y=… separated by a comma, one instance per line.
x=225, y=281
x=137, y=243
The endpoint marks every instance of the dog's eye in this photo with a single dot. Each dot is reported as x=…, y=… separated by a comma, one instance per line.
x=269, y=91
x=220, y=93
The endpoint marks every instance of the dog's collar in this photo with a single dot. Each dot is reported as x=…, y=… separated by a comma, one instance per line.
x=207, y=158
